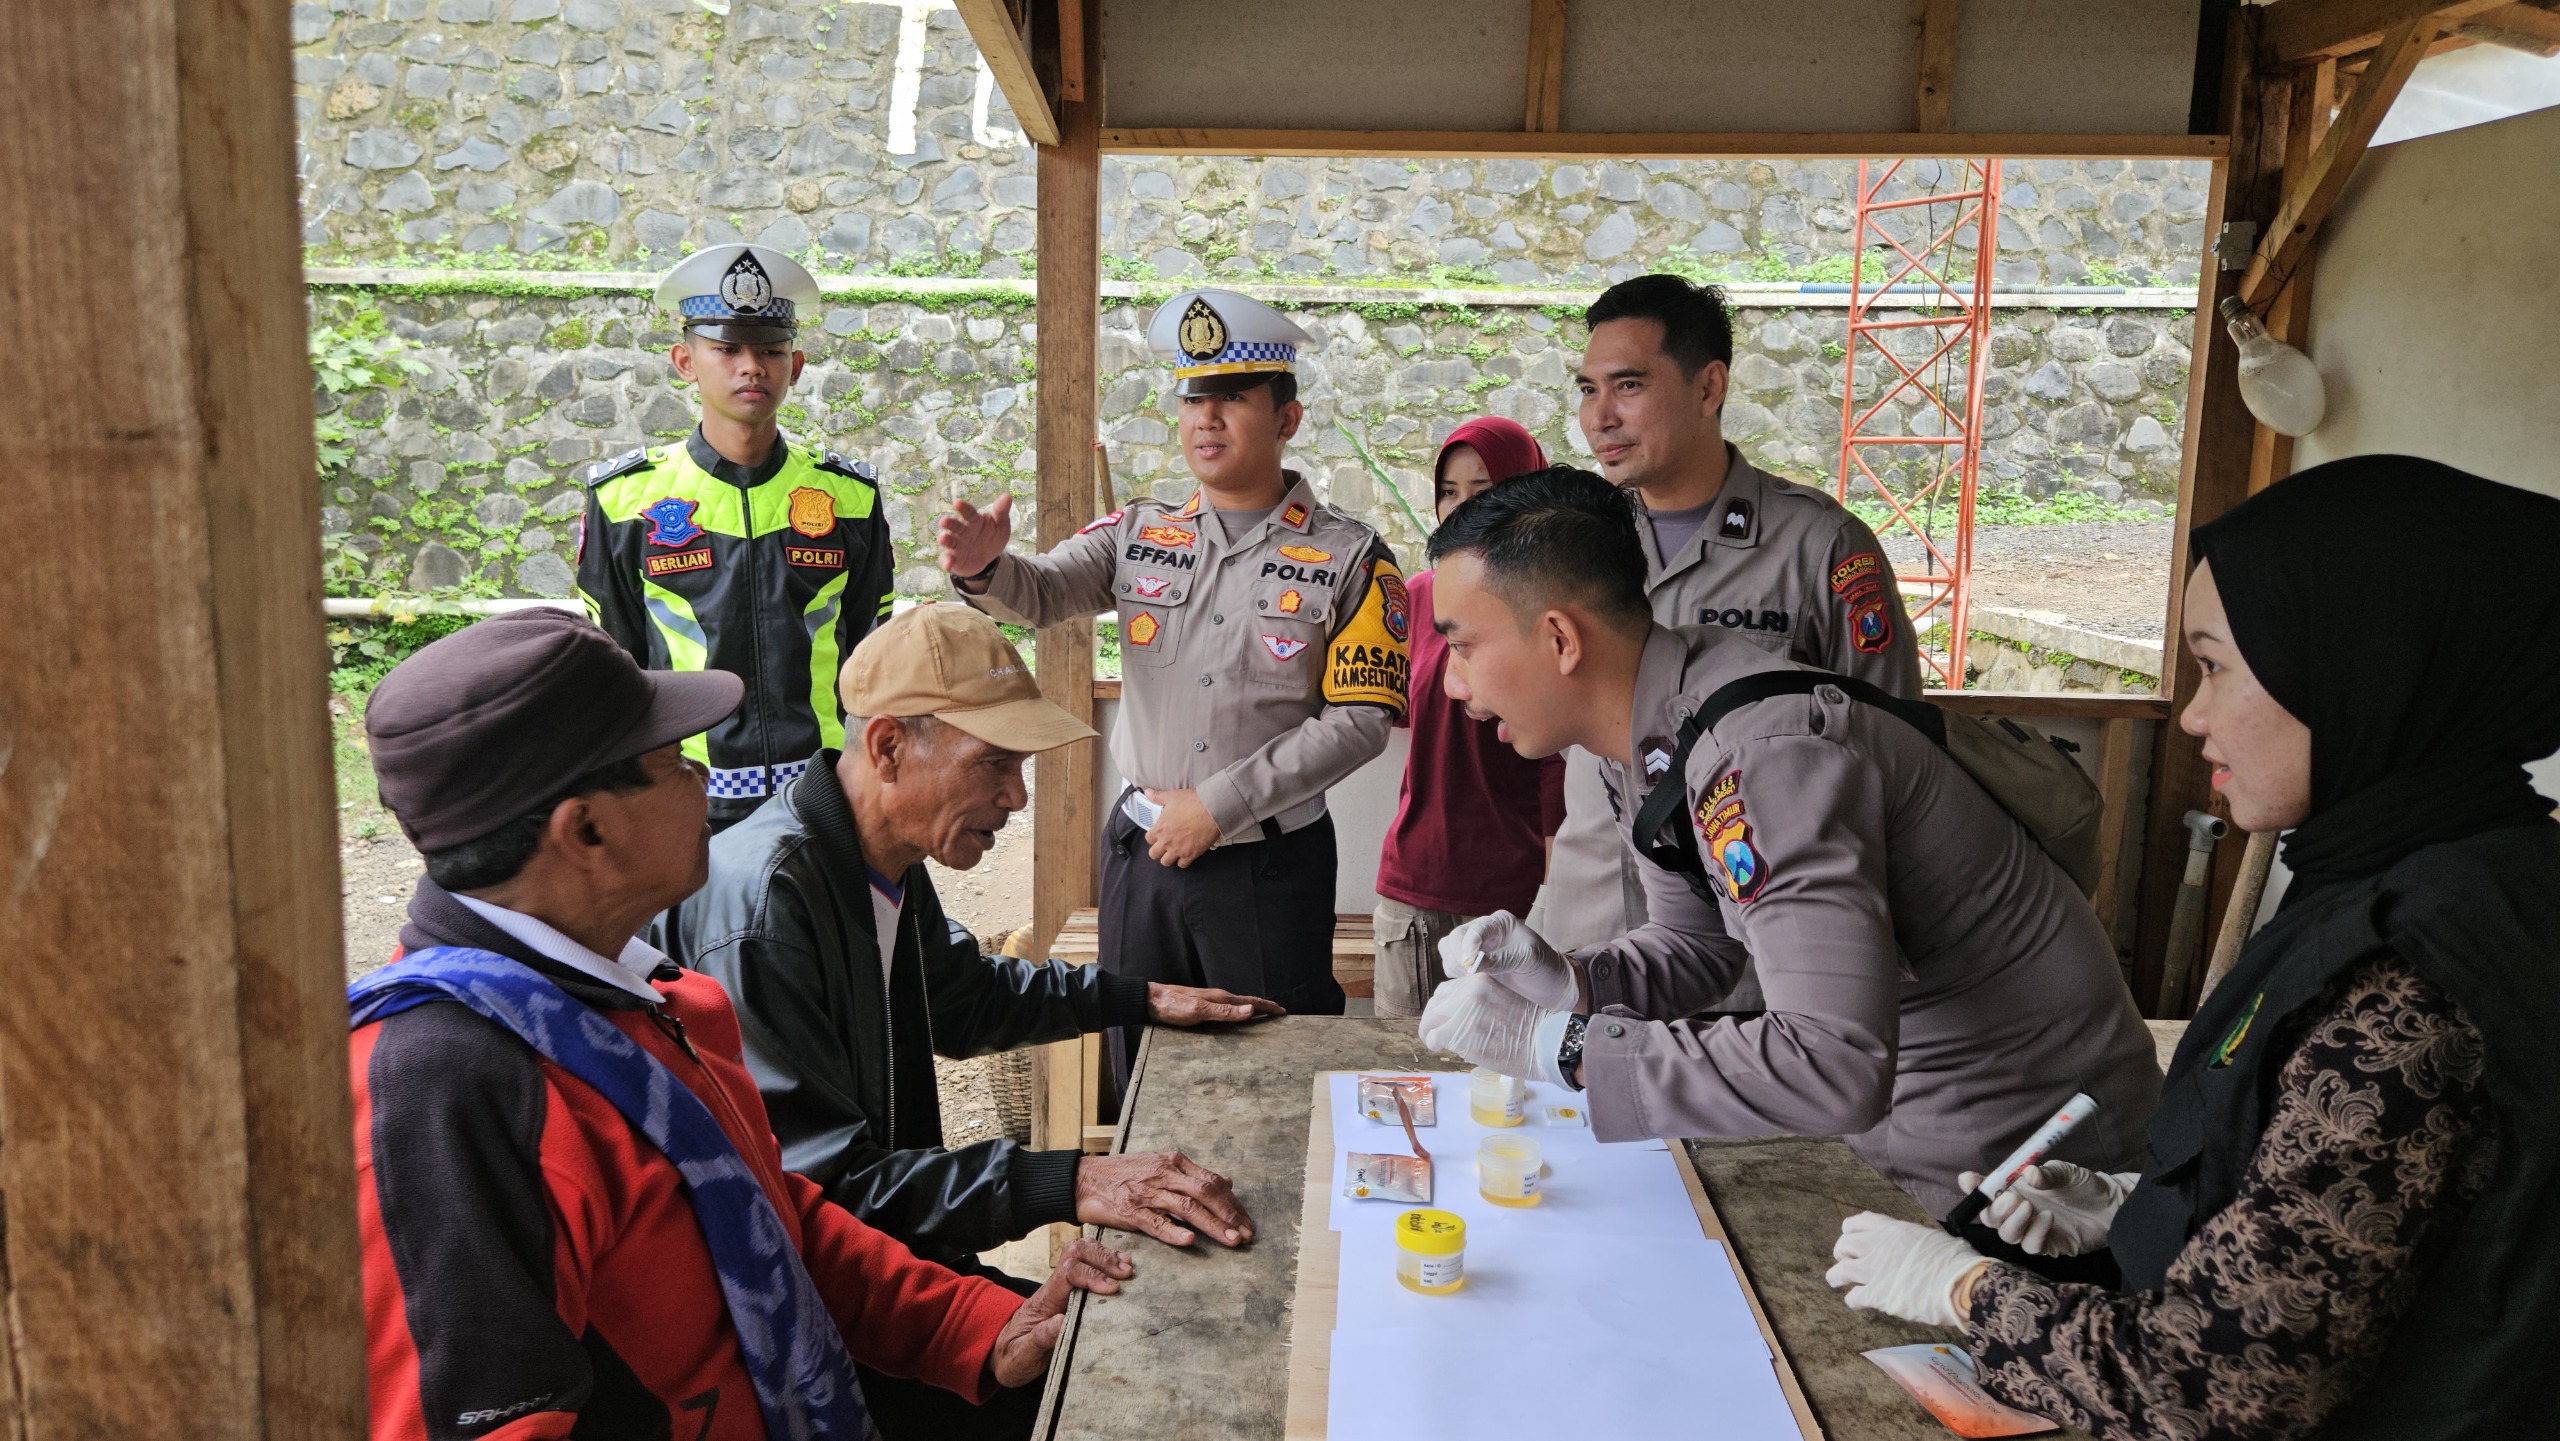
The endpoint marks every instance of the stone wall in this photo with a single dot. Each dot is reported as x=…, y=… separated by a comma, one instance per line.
x=461, y=473
x=869, y=138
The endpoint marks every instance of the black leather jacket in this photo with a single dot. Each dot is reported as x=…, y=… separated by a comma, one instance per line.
x=846, y=1064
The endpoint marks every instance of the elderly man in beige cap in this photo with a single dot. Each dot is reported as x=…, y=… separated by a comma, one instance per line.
x=821, y=921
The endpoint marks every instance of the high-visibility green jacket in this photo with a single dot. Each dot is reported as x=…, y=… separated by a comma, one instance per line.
x=773, y=573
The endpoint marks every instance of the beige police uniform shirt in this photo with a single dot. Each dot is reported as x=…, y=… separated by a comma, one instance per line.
x=1936, y=987
x=1783, y=566
x=1257, y=673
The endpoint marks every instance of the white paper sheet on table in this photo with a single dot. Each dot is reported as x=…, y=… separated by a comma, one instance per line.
x=1425, y=1384
x=1605, y=1310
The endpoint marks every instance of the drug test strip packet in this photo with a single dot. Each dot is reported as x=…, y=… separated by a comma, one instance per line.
x=1388, y=1178
x=1378, y=1099
x=1566, y=1113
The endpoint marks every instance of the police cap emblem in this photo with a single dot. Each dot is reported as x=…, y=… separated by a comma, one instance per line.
x=746, y=289
x=1203, y=332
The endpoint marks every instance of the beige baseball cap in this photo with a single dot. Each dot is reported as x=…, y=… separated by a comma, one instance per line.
x=950, y=662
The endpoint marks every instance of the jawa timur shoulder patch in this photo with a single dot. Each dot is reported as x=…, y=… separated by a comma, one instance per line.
x=1860, y=583
x=1726, y=838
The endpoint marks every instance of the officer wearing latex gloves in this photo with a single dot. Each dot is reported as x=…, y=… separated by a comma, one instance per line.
x=1920, y=1273
x=1503, y=947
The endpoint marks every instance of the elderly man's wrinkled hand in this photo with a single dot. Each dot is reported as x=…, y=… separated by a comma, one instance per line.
x=1164, y=1194
x=1901, y=1268
x=1200, y=1005
x=1021, y=1351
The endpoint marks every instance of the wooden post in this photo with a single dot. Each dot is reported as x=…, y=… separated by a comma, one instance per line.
x=2213, y=477
x=1063, y=818
x=1544, y=108
x=1934, y=84
x=2288, y=318
x=176, y=1165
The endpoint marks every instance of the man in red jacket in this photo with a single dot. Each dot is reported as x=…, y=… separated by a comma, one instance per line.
x=535, y=1263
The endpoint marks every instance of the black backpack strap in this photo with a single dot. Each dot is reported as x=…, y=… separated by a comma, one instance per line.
x=1679, y=854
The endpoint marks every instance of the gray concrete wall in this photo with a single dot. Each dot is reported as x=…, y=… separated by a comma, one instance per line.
x=463, y=472
x=868, y=136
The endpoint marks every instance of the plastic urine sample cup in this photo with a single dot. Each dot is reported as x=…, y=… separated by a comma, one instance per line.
x=1431, y=1252
x=1495, y=1099
x=1507, y=1170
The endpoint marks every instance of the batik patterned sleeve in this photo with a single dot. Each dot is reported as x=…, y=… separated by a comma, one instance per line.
x=2380, y=1128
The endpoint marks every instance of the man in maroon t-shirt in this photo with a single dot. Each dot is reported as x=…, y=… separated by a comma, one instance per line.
x=1473, y=816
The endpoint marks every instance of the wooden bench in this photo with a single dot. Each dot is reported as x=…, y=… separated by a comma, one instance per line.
x=1066, y=1077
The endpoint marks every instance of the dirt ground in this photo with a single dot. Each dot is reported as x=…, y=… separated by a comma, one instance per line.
x=2109, y=577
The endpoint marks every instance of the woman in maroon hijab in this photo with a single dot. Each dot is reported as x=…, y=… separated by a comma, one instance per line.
x=1473, y=817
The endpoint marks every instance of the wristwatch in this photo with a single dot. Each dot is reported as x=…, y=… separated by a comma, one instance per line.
x=984, y=574
x=1569, y=1054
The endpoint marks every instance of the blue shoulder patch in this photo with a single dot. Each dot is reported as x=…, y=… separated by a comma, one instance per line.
x=623, y=464
x=861, y=470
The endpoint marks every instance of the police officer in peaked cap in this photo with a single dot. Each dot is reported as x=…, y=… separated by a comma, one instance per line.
x=1263, y=658
x=735, y=549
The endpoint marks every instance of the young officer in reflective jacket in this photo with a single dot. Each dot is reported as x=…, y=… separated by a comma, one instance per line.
x=1935, y=984
x=733, y=549
x=1263, y=658
x=1781, y=565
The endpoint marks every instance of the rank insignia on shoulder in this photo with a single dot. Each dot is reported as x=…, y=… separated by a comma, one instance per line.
x=1190, y=507
x=861, y=470
x=1657, y=757
x=671, y=521
x=1295, y=517
x=623, y=464
x=1099, y=522
x=1736, y=524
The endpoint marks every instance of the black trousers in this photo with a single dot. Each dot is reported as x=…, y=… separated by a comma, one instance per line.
x=1256, y=919
x=908, y=1410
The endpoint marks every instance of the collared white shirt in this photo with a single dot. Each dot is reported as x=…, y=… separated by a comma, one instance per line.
x=628, y=972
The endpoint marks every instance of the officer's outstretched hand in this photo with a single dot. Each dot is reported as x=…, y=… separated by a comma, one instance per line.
x=1198, y=1005
x=1022, y=1348
x=972, y=538
x=1184, y=833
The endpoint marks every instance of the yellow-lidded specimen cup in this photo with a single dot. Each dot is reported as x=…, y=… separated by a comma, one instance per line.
x=1431, y=1252
x=1495, y=1099
x=1507, y=1170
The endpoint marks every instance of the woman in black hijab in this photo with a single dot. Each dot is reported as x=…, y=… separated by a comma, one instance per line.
x=2349, y=1224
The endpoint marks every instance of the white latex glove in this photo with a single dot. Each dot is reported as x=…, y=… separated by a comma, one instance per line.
x=1498, y=945
x=1488, y=1024
x=2056, y=1209
x=1900, y=1268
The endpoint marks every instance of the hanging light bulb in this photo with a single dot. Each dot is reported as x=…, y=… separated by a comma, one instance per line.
x=2280, y=384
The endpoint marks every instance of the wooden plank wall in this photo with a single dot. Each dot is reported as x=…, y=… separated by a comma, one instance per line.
x=176, y=1167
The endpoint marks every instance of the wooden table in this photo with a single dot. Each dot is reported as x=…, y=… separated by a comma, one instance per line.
x=1198, y=1345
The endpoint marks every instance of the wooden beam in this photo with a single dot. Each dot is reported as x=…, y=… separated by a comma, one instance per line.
x=177, y=1172
x=1072, y=69
x=2213, y=473
x=1064, y=821
x=1934, y=86
x=1546, y=66
x=2297, y=31
x=1430, y=144
x=2288, y=237
x=1008, y=54
x=2313, y=97
x=2528, y=28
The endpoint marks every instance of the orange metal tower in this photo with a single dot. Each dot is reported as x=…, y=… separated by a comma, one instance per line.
x=1926, y=329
